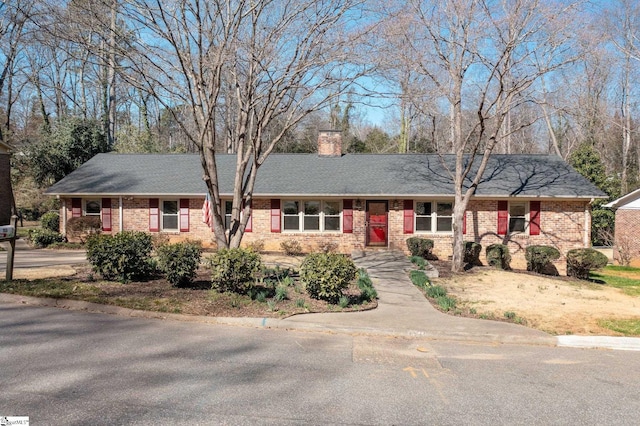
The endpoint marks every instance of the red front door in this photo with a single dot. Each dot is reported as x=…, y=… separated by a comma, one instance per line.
x=377, y=223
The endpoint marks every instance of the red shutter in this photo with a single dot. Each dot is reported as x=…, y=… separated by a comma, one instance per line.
x=184, y=215
x=249, y=226
x=76, y=207
x=534, y=218
x=408, y=216
x=503, y=217
x=347, y=216
x=464, y=222
x=275, y=215
x=154, y=214
x=106, y=214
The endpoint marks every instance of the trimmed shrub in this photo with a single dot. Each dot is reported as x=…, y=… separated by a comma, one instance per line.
x=421, y=247
x=233, y=270
x=179, y=261
x=81, y=228
x=498, y=256
x=123, y=257
x=325, y=275
x=539, y=259
x=581, y=261
x=472, y=252
x=291, y=247
x=44, y=237
x=51, y=221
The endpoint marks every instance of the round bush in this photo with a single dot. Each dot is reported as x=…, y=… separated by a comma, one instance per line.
x=539, y=258
x=472, y=252
x=421, y=247
x=581, y=261
x=44, y=237
x=51, y=221
x=179, y=261
x=498, y=256
x=123, y=256
x=234, y=269
x=325, y=275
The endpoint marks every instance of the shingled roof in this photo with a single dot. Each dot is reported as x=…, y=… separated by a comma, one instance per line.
x=352, y=175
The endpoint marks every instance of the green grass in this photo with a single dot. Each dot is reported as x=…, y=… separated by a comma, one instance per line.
x=56, y=289
x=626, y=327
x=622, y=277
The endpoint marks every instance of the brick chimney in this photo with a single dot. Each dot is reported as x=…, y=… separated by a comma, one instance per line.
x=330, y=143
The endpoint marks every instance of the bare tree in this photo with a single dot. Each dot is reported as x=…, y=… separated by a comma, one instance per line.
x=483, y=57
x=244, y=72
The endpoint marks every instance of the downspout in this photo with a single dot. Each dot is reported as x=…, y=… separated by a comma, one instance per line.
x=120, y=213
x=64, y=215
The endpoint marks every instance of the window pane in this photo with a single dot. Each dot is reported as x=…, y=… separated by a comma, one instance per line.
x=92, y=207
x=311, y=223
x=517, y=210
x=516, y=224
x=290, y=207
x=291, y=223
x=228, y=205
x=170, y=207
x=423, y=209
x=444, y=209
x=170, y=222
x=312, y=207
x=227, y=221
x=331, y=208
x=332, y=223
x=444, y=224
x=423, y=224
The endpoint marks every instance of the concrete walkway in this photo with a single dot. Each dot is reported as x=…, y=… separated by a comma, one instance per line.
x=404, y=311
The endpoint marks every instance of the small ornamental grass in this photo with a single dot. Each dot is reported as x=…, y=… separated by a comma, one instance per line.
x=326, y=275
x=367, y=292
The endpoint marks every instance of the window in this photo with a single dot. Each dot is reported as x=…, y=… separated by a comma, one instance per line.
x=169, y=215
x=517, y=217
x=434, y=215
x=92, y=207
x=311, y=215
x=228, y=205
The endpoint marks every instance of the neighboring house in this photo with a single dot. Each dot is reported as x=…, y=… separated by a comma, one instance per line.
x=353, y=201
x=6, y=194
x=627, y=228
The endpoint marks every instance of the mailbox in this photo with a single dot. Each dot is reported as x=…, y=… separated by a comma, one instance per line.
x=7, y=231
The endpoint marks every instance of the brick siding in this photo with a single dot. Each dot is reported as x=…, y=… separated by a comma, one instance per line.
x=626, y=234
x=562, y=224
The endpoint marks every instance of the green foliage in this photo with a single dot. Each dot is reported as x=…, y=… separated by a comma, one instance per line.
x=602, y=225
x=418, y=261
x=234, y=269
x=510, y=315
x=51, y=221
x=325, y=275
x=179, y=262
x=72, y=142
x=82, y=227
x=472, y=252
x=367, y=291
x=498, y=256
x=123, y=257
x=539, y=258
x=421, y=247
x=44, y=237
x=419, y=279
x=446, y=303
x=291, y=247
x=436, y=291
x=282, y=293
x=628, y=327
x=581, y=261
x=343, y=302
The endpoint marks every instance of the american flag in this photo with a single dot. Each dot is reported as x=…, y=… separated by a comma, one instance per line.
x=206, y=211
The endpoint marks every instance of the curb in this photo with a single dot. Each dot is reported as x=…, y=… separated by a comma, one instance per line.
x=580, y=342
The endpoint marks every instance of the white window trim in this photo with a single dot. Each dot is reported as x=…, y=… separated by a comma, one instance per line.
x=321, y=216
x=162, y=215
x=224, y=202
x=85, y=201
x=434, y=217
x=526, y=218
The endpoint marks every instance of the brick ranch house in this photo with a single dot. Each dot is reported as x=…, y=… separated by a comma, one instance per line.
x=355, y=201
x=627, y=227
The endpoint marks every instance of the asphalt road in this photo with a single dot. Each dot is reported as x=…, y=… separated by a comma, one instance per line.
x=76, y=368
